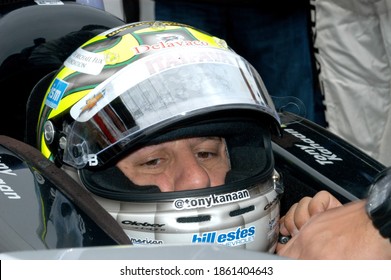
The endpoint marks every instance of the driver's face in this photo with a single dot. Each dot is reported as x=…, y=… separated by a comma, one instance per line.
x=183, y=164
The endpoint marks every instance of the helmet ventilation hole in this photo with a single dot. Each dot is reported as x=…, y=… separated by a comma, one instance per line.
x=242, y=211
x=197, y=219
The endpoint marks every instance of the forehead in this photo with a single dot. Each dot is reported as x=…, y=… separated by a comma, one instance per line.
x=193, y=141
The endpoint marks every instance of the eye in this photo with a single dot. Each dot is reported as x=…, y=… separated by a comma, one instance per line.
x=205, y=155
x=152, y=162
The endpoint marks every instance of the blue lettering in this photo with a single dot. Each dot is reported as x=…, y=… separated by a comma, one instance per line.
x=239, y=236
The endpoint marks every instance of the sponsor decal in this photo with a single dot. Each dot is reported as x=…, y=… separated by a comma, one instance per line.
x=56, y=92
x=86, y=62
x=157, y=64
x=91, y=102
x=142, y=226
x=146, y=241
x=321, y=155
x=170, y=44
x=271, y=203
x=211, y=200
x=4, y=188
x=236, y=237
x=273, y=223
x=272, y=234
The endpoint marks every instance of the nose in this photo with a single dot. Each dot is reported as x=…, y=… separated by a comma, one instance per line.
x=191, y=175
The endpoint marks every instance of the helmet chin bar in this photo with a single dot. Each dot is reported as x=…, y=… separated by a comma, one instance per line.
x=247, y=218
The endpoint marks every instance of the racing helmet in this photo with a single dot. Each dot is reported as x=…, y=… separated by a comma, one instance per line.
x=146, y=83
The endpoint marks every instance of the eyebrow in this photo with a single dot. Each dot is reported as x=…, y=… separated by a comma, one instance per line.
x=206, y=138
x=209, y=138
x=197, y=139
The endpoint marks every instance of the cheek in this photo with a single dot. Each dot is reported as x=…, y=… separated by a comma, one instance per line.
x=132, y=174
x=221, y=172
x=162, y=180
x=217, y=176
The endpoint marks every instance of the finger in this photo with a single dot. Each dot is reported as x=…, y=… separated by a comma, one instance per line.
x=283, y=230
x=321, y=202
x=302, y=215
x=287, y=223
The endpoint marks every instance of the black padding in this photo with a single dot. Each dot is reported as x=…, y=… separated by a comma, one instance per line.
x=68, y=187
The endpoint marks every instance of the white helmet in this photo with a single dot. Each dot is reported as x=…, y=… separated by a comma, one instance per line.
x=150, y=82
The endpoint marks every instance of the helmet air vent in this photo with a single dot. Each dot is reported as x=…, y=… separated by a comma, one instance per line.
x=242, y=211
x=197, y=219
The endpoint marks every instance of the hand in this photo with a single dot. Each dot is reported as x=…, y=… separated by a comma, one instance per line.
x=344, y=232
x=301, y=212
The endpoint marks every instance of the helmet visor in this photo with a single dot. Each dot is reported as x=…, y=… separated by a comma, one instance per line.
x=155, y=92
